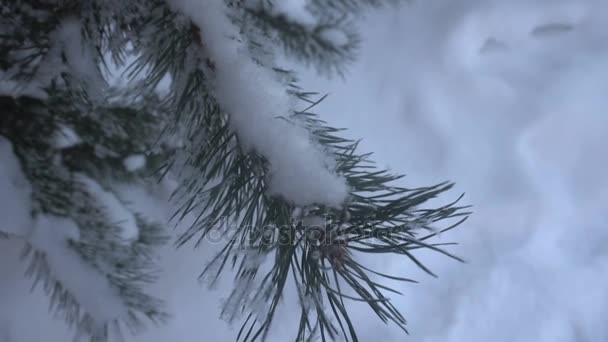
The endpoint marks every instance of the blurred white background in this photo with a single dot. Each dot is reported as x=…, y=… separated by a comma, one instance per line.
x=506, y=98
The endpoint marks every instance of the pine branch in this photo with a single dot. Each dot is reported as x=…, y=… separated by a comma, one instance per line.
x=224, y=182
x=379, y=219
x=225, y=189
x=60, y=188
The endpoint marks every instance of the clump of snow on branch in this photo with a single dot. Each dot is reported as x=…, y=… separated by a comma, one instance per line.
x=334, y=36
x=50, y=235
x=15, y=205
x=257, y=102
x=117, y=212
x=134, y=162
x=295, y=11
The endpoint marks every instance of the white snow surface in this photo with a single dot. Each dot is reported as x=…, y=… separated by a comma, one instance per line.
x=468, y=91
x=255, y=101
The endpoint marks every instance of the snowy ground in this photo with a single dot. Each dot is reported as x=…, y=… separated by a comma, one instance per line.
x=508, y=99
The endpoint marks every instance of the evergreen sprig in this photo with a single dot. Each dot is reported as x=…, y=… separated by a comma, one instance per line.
x=379, y=218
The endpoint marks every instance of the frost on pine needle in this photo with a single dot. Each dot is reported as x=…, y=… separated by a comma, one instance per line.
x=235, y=305
x=307, y=300
x=246, y=296
x=253, y=259
x=424, y=223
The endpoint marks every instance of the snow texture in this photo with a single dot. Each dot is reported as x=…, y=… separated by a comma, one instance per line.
x=256, y=101
x=114, y=208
